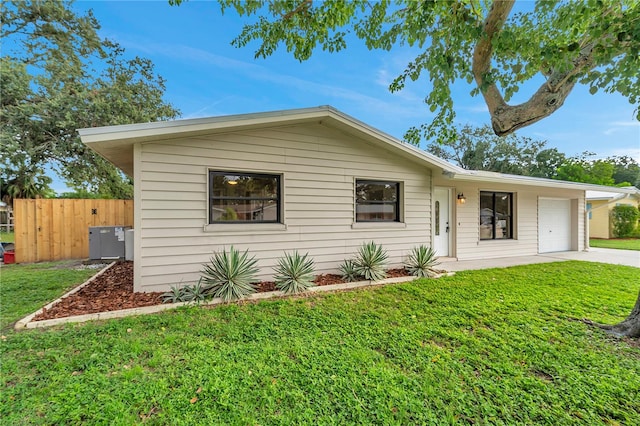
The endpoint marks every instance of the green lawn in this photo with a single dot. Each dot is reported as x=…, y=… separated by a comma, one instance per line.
x=26, y=288
x=621, y=244
x=486, y=347
x=7, y=237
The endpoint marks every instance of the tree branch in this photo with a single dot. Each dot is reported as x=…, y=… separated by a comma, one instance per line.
x=304, y=6
x=483, y=51
x=506, y=119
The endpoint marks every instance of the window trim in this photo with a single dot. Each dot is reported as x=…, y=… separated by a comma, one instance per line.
x=494, y=221
x=398, y=204
x=279, y=197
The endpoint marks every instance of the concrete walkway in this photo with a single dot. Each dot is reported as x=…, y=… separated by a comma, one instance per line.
x=615, y=257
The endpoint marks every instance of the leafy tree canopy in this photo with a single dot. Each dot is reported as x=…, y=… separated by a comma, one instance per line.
x=611, y=171
x=57, y=76
x=591, y=42
x=478, y=148
x=625, y=169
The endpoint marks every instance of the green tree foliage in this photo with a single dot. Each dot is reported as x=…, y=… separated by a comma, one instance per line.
x=625, y=220
x=612, y=171
x=58, y=75
x=626, y=169
x=478, y=148
x=83, y=194
x=590, y=42
x=581, y=169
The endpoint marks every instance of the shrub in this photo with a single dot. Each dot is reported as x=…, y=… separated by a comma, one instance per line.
x=370, y=261
x=195, y=293
x=294, y=273
x=190, y=293
x=421, y=261
x=230, y=275
x=625, y=219
x=348, y=269
x=174, y=295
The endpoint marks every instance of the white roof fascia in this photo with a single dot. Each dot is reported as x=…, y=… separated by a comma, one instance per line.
x=155, y=130
x=492, y=177
x=604, y=195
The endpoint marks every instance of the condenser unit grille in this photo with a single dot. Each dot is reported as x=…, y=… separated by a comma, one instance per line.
x=106, y=242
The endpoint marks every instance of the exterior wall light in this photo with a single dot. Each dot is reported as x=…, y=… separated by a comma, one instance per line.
x=461, y=198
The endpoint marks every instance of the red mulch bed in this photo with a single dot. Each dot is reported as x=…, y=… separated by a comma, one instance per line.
x=113, y=290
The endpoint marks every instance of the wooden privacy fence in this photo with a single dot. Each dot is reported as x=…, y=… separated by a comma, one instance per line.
x=55, y=229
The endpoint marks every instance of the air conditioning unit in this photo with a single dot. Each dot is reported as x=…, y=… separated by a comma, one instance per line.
x=107, y=242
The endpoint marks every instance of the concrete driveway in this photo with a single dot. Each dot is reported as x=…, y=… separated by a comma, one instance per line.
x=602, y=255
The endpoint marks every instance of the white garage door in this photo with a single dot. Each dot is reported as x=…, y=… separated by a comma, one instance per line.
x=554, y=225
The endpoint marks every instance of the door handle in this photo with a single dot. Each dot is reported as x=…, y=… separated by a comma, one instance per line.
x=447, y=229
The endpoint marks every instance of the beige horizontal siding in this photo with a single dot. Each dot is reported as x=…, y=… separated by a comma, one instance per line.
x=319, y=166
x=525, y=241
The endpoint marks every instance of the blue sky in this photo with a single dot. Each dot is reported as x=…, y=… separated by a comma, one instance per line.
x=206, y=76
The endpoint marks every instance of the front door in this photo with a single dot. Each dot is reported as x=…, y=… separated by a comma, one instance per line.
x=441, y=221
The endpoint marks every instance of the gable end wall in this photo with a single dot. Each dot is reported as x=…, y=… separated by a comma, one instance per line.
x=319, y=166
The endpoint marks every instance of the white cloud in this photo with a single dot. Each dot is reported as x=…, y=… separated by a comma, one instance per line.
x=617, y=126
x=477, y=108
x=383, y=78
x=622, y=152
x=409, y=105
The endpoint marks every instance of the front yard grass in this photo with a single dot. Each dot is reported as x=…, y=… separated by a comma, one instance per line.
x=621, y=244
x=497, y=346
x=7, y=237
x=26, y=288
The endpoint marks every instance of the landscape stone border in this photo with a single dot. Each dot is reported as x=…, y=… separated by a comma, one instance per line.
x=27, y=322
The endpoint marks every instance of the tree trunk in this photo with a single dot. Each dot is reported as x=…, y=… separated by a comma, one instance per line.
x=630, y=327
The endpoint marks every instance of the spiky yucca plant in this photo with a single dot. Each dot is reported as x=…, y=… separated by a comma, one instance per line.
x=195, y=293
x=421, y=261
x=348, y=269
x=370, y=261
x=230, y=275
x=294, y=273
x=174, y=295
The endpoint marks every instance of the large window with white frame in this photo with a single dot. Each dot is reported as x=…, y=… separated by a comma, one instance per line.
x=496, y=215
x=377, y=201
x=237, y=197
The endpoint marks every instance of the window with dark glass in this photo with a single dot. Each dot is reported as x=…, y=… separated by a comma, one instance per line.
x=496, y=215
x=437, y=217
x=244, y=197
x=377, y=201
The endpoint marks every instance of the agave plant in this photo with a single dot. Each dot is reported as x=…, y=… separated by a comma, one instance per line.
x=421, y=261
x=230, y=275
x=174, y=295
x=349, y=272
x=195, y=293
x=294, y=273
x=370, y=261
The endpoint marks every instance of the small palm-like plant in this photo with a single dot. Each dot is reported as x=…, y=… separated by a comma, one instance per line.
x=349, y=272
x=174, y=295
x=195, y=293
x=230, y=275
x=294, y=273
x=421, y=261
x=370, y=261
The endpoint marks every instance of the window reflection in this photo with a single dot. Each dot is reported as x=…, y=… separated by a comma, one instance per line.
x=437, y=217
x=377, y=201
x=496, y=216
x=237, y=197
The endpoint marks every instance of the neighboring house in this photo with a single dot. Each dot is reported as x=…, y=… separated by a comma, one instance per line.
x=599, y=206
x=319, y=181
